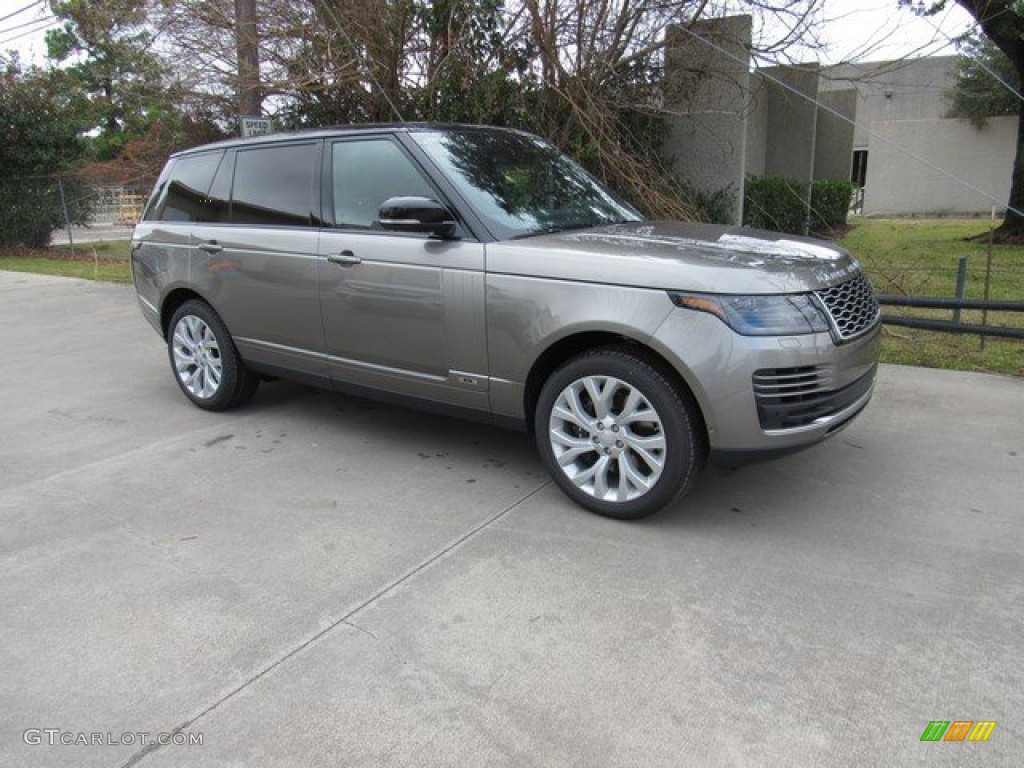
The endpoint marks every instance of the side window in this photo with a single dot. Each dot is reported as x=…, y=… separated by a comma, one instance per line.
x=367, y=172
x=217, y=206
x=274, y=185
x=182, y=195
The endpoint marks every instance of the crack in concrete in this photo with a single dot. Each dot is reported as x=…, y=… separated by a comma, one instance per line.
x=149, y=749
x=364, y=630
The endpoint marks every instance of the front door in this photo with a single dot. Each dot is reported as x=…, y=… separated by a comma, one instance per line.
x=401, y=312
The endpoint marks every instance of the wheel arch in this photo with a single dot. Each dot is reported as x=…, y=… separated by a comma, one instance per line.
x=568, y=347
x=174, y=299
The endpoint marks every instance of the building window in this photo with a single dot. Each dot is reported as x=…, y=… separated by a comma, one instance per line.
x=860, y=167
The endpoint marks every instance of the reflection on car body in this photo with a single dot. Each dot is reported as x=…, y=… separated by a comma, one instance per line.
x=477, y=270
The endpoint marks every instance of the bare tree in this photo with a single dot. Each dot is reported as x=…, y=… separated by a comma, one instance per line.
x=587, y=74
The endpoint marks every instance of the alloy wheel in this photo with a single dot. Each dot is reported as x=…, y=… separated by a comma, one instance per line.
x=607, y=438
x=197, y=357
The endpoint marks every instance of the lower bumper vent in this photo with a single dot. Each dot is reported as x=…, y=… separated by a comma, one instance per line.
x=795, y=397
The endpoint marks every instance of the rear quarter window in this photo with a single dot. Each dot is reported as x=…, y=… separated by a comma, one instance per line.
x=182, y=192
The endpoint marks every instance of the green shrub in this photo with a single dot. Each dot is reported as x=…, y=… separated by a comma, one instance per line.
x=30, y=209
x=780, y=205
x=776, y=204
x=40, y=140
x=830, y=203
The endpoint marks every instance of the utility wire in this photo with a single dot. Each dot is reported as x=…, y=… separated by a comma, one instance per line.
x=28, y=7
x=22, y=25
x=898, y=147
x=50, y=23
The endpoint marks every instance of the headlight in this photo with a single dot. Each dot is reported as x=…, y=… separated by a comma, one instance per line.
x=776, y=315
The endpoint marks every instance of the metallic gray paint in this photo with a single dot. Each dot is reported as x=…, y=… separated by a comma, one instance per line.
x=526, y=315
x=674, y=256
x=718, y=366
x=263, y=285
x=461, y=323
x=409, y=317
x=161, y=261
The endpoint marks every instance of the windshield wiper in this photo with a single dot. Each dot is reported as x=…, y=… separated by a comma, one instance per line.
x=551, y=230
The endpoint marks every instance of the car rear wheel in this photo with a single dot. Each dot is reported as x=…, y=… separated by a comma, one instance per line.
x=204, y=359
x=617, y=435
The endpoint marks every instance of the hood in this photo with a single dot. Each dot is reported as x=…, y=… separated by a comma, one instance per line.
x=707, y=258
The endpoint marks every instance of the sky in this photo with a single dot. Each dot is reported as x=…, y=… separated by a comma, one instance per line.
x=878, y=30
x=22, y=26
x=860, y=30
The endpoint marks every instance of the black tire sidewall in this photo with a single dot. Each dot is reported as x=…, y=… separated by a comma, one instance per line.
x=674, y=408
x=231, y=364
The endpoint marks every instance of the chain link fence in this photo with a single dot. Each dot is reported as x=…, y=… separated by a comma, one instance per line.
x=34, y=208
x=117, y=206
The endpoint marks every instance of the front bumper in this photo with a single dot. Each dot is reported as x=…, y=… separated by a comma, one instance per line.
x=763, y=396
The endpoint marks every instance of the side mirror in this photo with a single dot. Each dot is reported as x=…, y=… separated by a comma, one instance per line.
x=416, y=214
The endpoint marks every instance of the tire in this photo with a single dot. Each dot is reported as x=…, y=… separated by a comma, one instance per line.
x=204, y=360
x=599, y=452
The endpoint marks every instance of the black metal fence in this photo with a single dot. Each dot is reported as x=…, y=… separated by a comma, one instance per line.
x=954, y=325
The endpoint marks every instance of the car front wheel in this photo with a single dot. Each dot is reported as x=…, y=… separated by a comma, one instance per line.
x=618, y=436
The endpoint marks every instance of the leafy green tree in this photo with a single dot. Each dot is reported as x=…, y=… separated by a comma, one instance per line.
x=104, y=49
x=40, y=139
x=140, y=159
x=978, y=93
x=476, y=69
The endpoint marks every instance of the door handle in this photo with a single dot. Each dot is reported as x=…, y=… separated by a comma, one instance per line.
x=345, y=259
x=210, y=247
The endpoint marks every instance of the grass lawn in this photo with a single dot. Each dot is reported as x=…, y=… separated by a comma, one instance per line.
x=93, y=261
x=913, y=257
x=918, y=257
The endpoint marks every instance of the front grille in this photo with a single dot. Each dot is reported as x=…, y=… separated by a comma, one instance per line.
x=795, y=397
x=852, y=307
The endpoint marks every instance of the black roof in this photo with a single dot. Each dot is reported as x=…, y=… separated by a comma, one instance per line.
x=339, y=130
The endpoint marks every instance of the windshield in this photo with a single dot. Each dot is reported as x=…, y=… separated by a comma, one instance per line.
x=520, y=185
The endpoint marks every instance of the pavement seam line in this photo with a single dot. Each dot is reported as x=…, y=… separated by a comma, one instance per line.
x=152, y=747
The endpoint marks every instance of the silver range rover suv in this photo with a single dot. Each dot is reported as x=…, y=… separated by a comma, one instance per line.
x=479, y=271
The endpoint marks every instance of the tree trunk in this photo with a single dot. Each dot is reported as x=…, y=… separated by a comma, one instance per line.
x=1012, y=228
x=247, y=43
x=1003, y=24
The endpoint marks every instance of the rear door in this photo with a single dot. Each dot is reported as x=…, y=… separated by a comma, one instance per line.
x=255, y=257
x=401, y=312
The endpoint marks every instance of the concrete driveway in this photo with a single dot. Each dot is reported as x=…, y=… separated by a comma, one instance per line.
x=318, y=580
